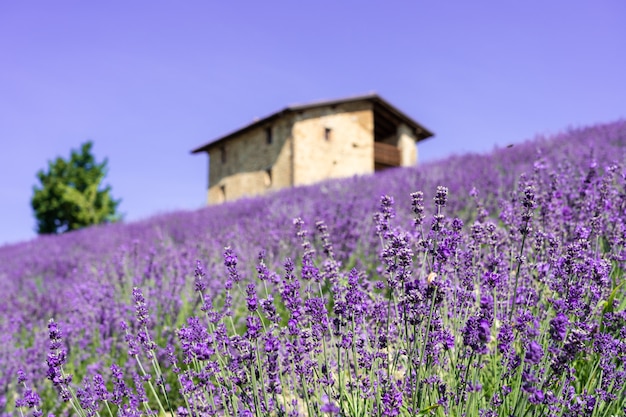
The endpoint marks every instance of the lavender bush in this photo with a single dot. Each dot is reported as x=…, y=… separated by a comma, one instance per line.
x=480, y=285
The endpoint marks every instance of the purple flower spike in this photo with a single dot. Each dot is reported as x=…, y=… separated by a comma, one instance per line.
x=536, y=397
x=140, y=307
x=30, y=399
x=558, y=327
x=230, y=262
x=330, y=408
x=55, y=361
x=21, y=376
x=441, y=196
x=417, y=206
x=254, y=327
x=251, y=300
x=383, y=216
x=199, y=278
x=392, y=401
x=534, y=353
x=476, y=334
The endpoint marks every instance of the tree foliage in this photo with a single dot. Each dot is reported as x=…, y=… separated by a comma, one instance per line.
x=70, y=196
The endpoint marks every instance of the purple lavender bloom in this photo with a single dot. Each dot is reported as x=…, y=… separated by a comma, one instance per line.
x=120, y=390
x=86, y=399
x=476, y=334
x=139, y=388
x=330, y=408
x=254, y=327
x=272, y=346
x=262, y=269
x=534, y=352
x=251, y=300
x=486, y=307
x=505, y=339
x=172, y=359
x=131, y=340
x=382, y=217
x=441, y=196
x=315, y=309
x=54, y=334
x=536, y=396
x=21, y=376
x=182, y=412
x=196, y=343
x=146, y=343
x=230, y=262
x=558, y=327
x=529, y=197
x=30, y=399
x=437, y=222
x=417, y=206
x=141, y=310
x=268, y=307
x=99, y=388
x=325, y=237
x=57, y=357
x=392, y=401
x=199, y=278
x=291, y=291
x=397, y=258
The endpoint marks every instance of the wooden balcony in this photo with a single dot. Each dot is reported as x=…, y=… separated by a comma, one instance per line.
x=386, y=155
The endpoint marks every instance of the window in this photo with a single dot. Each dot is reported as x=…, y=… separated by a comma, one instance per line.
x=223, y=153
x=327, y=133
x=268, y=177
x=268, y=135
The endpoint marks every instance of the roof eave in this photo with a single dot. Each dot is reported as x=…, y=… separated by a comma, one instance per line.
x=254, y=124
x=421, y=133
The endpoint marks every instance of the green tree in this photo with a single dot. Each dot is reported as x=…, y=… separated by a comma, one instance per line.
x=70, y=197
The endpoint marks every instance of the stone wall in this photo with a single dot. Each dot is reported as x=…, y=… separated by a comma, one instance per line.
x=251, y=166
x=307, y=146
x=333, y=142
x=406, y=143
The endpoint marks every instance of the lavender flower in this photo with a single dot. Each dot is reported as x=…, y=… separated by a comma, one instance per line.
x=56, y=359
x=30, y=399
x=417, y=206
x=534, y=352
x=251, y=300
x=382, y=217
x=230, y=262
x=476, y=334
x=392, y=401
x=441, y=197
x=199, y=278
x=558, y=327
x=141, y=311
x=338, y=340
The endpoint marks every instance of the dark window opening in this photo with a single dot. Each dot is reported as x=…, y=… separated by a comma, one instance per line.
x=268, y=135
x=268, y=177
x=223, y=152
x=327, y=133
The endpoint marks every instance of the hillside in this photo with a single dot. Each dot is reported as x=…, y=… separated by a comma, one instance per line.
x=555, y=191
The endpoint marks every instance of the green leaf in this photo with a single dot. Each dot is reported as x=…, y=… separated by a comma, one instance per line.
x=428, y=410
x=608, y=306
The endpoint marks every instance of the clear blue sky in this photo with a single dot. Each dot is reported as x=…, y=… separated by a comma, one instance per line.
x=147, y=81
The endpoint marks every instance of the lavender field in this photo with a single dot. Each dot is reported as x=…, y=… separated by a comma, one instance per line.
x=479, y=286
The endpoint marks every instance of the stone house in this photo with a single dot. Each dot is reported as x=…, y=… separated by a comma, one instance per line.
x=304, y=144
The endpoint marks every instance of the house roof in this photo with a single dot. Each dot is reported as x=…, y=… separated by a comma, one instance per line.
x=380, y=106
